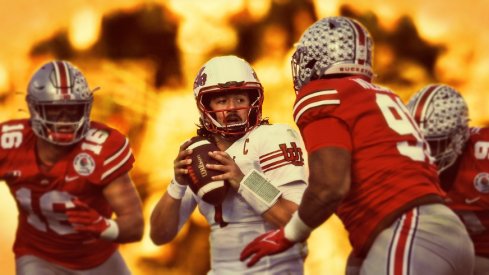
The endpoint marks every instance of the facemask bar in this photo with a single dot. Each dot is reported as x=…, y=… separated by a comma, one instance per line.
x=446, y=149
x=54, y=131
x=209, y=116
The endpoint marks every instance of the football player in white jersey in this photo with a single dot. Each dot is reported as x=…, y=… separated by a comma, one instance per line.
x=263, y=163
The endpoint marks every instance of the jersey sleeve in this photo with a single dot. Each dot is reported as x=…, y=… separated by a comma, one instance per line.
x=313, y=103
x=281, y=155
x=316, y=137
x=114, y=160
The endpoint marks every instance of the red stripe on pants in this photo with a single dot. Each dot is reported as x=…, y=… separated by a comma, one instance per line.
x=400, y=250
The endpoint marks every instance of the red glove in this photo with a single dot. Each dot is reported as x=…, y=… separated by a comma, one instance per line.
x=85, y=219
x=270, y=243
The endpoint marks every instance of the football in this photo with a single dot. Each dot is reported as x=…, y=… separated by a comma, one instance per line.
x=199, y=177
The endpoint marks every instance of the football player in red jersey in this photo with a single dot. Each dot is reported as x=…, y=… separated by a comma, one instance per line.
x=262, y=163
x=368, y=164
x=462, y=156
x=68, y=176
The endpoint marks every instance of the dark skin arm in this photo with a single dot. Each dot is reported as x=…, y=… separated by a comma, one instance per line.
x=124, y=199
x=164, y=220
x=329, y=183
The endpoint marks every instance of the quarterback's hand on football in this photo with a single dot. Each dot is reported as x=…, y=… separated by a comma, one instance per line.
x=85, y=219
x=270, y=243
x=180, y=163
x=230, y=170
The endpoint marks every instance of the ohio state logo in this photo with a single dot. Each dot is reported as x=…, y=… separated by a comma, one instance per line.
x=481, y=182
x=84, y=164
x=293, y=154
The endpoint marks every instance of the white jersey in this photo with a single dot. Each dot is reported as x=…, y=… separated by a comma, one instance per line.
x=277, y=151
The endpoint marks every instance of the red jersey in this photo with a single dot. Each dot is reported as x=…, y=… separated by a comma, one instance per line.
x=42, y=197
x=391, y=169
x=469, y=194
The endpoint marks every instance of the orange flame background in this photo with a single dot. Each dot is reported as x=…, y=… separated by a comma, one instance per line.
x=147, y=84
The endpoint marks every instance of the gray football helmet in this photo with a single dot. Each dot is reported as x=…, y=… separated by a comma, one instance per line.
x=442, y=114
x=225, y=74
x=59, y=101
x=332, y=45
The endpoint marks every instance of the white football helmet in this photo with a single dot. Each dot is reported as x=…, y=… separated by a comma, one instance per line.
x=442, y=114
x=228, y=74
x=332, y=45
x=59, y=103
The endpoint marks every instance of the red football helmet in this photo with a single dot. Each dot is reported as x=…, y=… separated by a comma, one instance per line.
x=59, y=102
x=226, y=74
x=442, y=114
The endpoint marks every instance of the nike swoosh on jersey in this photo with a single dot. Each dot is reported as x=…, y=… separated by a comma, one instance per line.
x=471, y=201
x=68, y=178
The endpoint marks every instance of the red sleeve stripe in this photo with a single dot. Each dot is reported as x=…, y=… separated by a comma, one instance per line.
x=271, y=161
x=273, y=164
x=118, y=153
x=117, y=166
x=277, y=166
x=273, y=152
x=268, y=157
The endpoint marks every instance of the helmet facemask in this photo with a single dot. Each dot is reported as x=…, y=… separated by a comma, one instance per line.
x=301, y=74
x=233, y=127
x=60, y=124
x=446, y=149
